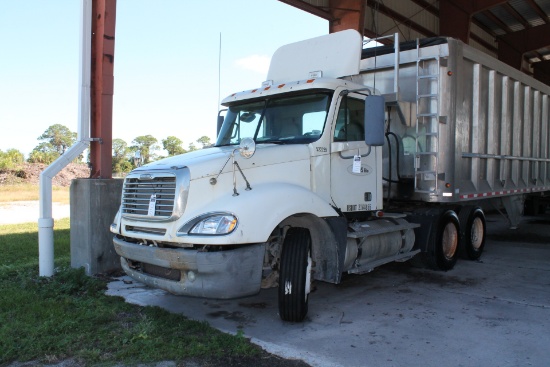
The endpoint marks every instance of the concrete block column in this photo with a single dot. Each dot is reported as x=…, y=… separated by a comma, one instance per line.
x=94, y=203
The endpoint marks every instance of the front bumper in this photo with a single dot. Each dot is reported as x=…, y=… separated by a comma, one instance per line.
x=222, y=274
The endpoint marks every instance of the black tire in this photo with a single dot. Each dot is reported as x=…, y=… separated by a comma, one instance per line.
x=447, y=239
x=473, y=229
x=295, y=275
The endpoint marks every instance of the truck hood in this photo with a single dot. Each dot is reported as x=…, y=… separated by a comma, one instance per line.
x=208, y=162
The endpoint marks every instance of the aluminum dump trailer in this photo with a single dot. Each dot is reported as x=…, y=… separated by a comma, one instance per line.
x=462, y=125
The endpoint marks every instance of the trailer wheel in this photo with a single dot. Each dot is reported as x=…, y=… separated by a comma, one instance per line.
x=295, y=275
x=472, y=225
x=447, y=239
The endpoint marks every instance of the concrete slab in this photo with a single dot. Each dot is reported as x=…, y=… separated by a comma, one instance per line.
x=493, y=312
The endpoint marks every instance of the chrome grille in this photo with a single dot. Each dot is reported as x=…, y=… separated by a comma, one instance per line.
x=137, y=194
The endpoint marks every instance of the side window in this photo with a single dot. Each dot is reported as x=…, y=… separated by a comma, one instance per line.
x=349, y=123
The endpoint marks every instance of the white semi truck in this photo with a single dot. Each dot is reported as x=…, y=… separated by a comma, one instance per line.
x=343, y=160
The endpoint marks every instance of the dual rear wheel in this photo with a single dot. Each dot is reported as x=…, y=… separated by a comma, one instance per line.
x=472, y=223
x=462, y=234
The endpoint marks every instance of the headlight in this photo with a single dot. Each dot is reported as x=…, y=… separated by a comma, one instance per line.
x=210, y=224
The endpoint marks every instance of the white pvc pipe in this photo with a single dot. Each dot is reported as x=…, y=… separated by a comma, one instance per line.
x=45, y=220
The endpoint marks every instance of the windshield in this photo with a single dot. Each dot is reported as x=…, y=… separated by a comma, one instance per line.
x=298, y=119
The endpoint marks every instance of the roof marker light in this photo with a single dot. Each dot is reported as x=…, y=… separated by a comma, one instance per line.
x=315, y=74
x=281, y=85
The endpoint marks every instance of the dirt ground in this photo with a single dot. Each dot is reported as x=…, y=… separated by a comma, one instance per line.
x=30, y=173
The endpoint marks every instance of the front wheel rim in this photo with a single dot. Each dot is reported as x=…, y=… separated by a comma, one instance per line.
x=308, y=275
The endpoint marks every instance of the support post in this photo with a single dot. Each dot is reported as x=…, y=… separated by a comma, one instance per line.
x=103, y=54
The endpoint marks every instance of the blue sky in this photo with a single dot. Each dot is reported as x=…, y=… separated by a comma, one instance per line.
x=166, y=63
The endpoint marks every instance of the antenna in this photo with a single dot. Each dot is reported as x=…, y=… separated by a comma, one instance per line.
x=219, y=68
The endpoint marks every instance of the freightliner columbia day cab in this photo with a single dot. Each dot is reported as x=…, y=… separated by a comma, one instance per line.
x=343, y=160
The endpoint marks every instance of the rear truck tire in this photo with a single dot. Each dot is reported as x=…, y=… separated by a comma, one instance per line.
x=295, y=275
x=446, y=241
x=472, y=232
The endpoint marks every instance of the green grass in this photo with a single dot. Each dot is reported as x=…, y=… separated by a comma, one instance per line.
x=69, y=316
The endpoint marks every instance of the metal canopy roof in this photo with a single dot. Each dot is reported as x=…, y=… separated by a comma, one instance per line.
x=511, y=29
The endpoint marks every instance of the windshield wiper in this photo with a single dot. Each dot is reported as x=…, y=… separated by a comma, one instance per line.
x=274, y=142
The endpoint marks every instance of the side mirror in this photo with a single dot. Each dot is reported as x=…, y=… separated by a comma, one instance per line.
x=247, y=148
x=374, y=120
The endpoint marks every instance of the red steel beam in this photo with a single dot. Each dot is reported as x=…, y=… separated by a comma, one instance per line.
x=539, y=11
x=102, y=81
x=455, y=16
x=511, y=47
x=484, y=43
x=510, y=9
x=497, y=21
x=347, y=14
x=541, y=71
x=471, y=7
x=454, y=19
x=481, y=5
x=400, y=18
x=427, y=6
x=309, y=8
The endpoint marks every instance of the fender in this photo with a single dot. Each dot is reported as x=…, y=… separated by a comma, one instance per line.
x=259, y=212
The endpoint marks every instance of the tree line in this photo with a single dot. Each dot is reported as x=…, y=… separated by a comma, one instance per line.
x=58, y=138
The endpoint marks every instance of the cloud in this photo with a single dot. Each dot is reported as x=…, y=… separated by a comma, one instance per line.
x=256, y=63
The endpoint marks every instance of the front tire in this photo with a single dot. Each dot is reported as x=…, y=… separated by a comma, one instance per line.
x=295, y=275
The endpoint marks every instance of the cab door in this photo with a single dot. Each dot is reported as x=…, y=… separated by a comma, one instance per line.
x=354, y=166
